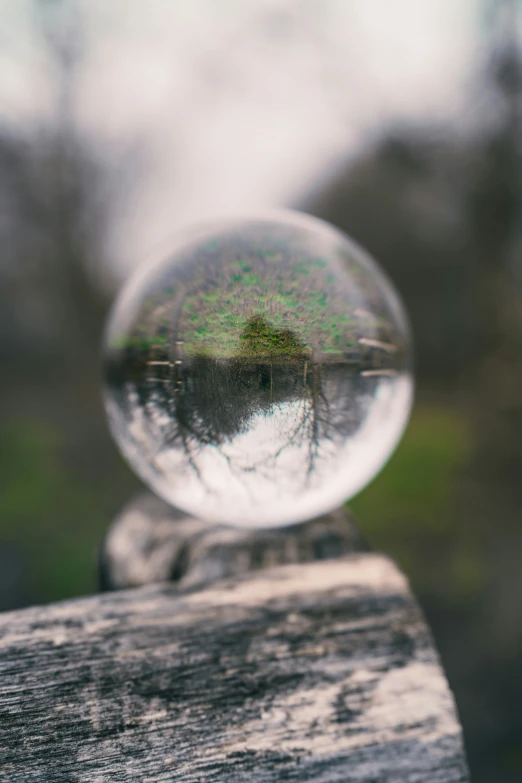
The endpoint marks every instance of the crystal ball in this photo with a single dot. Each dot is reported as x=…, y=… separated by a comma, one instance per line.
x=260, y=374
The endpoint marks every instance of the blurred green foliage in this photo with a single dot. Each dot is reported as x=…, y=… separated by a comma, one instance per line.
x=38, y=490
x=410, y=510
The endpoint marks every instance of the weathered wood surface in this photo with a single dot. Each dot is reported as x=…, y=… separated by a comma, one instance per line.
x=319, y=672
x=152, y=542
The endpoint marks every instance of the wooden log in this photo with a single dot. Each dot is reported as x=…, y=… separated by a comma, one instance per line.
x=319, y=672
x=149, y=541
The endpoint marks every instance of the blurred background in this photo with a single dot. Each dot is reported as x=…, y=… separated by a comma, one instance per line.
x=399, y=122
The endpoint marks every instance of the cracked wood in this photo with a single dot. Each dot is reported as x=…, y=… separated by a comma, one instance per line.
x=322, y=672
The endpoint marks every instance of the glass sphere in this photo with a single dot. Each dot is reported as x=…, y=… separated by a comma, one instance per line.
x=259, y=375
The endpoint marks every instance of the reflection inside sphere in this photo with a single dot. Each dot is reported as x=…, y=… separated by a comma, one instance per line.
x=260, y=375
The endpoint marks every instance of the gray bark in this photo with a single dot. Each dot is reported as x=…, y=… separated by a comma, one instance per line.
x=152, y=542
x=322, y=672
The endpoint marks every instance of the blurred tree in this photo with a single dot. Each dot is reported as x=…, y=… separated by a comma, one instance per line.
x=54, y=211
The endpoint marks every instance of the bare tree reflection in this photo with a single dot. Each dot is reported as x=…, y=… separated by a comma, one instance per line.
x=195, y=403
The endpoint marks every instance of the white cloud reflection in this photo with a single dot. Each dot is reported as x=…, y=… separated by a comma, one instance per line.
x=238, y=104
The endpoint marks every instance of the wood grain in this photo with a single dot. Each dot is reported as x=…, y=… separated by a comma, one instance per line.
x=149, y=541
x=319, y=672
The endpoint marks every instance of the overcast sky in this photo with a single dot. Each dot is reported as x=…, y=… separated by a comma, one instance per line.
x=238, y=104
